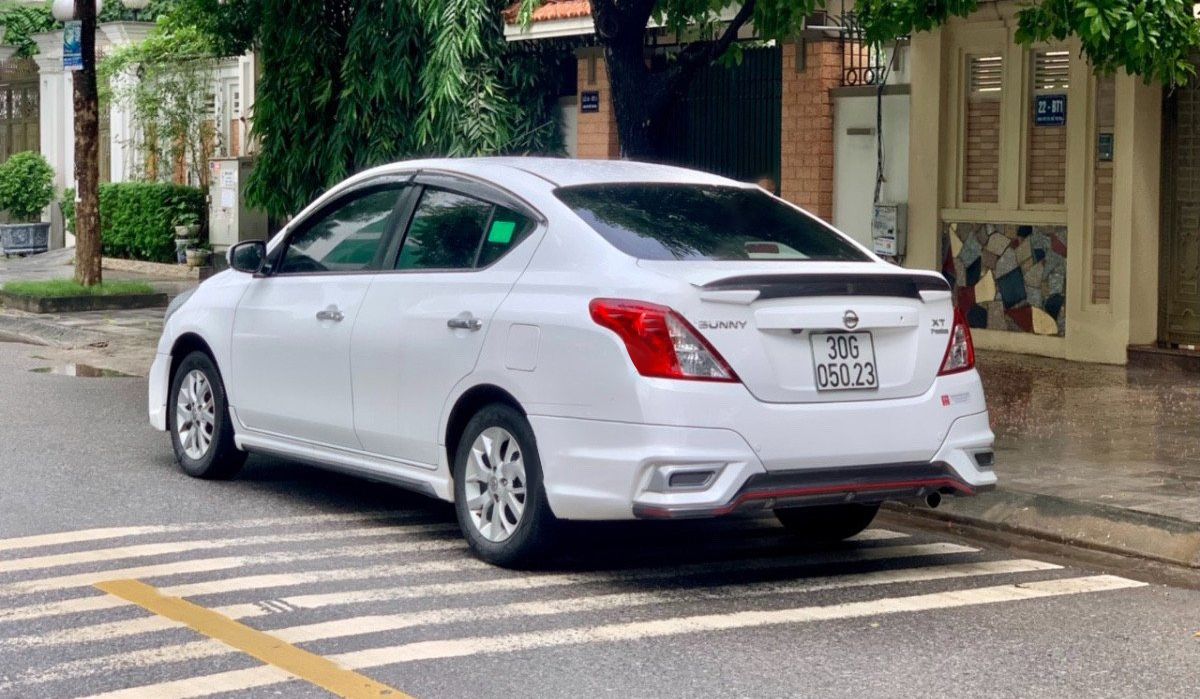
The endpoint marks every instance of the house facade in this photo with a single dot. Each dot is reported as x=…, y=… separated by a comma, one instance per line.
x=1036, y=186
x=1059, y=203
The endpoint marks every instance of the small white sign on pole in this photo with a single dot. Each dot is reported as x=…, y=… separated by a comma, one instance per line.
x=73, y=45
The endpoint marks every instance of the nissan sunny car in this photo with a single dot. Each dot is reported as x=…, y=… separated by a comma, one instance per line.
x=538, y=340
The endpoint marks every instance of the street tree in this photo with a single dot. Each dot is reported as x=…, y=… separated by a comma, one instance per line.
x=353, y=83
x=87, y=152
x=1154, y=39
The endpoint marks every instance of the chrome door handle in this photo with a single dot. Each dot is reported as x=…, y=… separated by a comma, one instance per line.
x=331, y=313
x=465, y=322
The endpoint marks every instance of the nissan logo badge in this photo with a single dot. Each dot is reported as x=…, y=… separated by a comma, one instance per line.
x=850, y=320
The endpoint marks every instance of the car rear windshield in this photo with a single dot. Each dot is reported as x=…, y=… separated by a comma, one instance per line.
x=693, y=222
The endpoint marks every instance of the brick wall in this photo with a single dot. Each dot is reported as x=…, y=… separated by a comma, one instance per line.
x=981, y=162
x=597, y=130
x=806, y=171
x=1046, y=166
x=1102, y=178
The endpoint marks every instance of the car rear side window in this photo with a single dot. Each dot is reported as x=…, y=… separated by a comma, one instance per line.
x=695, y=222
x=451, y=231
x=506, y=229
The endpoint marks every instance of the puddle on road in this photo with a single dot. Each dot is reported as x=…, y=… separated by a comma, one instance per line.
x=82, y=371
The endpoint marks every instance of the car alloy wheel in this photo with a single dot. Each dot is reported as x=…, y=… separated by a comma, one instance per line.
x=195, y=414
x=495, y=484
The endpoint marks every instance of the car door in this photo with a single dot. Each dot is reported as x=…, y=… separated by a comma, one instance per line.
x=292, y=328
x=423, y=323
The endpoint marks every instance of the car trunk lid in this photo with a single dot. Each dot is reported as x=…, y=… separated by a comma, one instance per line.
x=763, y=317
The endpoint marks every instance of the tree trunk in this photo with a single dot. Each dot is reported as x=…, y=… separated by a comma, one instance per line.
x=639, y=96
x=638, y=101
x=642, y=97
x=87, y=152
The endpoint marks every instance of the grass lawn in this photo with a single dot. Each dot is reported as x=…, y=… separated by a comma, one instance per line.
x=67, y=288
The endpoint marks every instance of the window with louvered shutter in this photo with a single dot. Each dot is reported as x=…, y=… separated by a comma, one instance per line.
x=981, y=135
x=1046, y=157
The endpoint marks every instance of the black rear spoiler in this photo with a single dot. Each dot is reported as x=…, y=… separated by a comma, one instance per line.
x=776, y=286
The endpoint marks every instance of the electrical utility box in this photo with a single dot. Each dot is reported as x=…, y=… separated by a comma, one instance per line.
x=230, y=221
x=889, y=229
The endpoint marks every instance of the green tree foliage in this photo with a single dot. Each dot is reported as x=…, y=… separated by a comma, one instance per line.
x=1154, y=39
x=350, y=84
x=21, y=21
x=26, y=186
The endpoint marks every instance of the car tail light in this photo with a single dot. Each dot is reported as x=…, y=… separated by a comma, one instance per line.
x=660, y=342
x=960, y=353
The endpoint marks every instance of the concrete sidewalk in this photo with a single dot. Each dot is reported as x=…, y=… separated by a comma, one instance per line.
x=123, y=341
x=1103, y=456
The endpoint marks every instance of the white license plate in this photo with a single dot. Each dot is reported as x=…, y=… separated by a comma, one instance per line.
x=844, y=361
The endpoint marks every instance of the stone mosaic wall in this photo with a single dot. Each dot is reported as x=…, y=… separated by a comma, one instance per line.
x=1008, y=277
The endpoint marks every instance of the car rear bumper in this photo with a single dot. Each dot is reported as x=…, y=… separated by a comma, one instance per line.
x=866, y=484
x=596, y=469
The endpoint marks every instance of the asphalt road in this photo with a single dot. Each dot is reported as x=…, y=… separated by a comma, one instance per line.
x=370, y=587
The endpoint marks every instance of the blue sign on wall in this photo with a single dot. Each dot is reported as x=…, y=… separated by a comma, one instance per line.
x=589, y=101
x=72, y=45
x=1050, y=110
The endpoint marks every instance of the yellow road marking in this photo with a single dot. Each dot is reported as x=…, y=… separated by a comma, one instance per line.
x=265, y=647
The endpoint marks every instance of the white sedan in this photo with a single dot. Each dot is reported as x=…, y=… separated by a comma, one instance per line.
x=540, y=339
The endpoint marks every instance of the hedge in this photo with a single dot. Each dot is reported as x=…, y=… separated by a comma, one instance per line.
x=137, y=219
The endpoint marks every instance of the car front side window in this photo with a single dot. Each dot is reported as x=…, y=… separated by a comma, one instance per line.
x=350, y=238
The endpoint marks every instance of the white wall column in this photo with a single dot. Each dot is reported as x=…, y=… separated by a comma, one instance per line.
x=123, y=137
x=57, y=108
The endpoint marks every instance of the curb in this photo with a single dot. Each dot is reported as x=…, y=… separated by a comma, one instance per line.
x=1073, y=522
x=152, y=269
x=41, y=332
x=82, y=304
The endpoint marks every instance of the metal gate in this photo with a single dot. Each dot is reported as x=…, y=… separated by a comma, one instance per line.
x=729, y=122
x=20, y=110
x=1179, y=253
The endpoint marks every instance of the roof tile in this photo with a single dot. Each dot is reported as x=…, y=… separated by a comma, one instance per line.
x=552, y=10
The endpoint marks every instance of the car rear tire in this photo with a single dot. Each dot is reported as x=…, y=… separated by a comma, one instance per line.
x=827, y=523
x=498, y=494
x=199, y=423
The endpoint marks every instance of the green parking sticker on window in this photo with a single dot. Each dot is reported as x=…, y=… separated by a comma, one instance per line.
x=502, y=232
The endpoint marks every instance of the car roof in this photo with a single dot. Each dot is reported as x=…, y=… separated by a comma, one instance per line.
x=565, y=172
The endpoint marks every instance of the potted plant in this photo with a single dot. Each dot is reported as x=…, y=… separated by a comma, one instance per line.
x=187, y=233
x=26, y=189
x=198, y=255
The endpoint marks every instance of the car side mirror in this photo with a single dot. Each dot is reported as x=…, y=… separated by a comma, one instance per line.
x=248, y=257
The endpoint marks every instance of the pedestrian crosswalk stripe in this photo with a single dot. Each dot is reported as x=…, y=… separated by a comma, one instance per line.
x=298, y=663
x=394, y=593
x=176, y=547
x=201, y=565
x=100, y=534
x=242, y=680
x=277, y=580
x=258, y=608
x=428, y=650
x=235, y=584
x=358, y=626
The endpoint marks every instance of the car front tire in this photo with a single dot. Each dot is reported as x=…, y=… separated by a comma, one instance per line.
x=498, y=494
x=199, y=423
x=827, y=523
